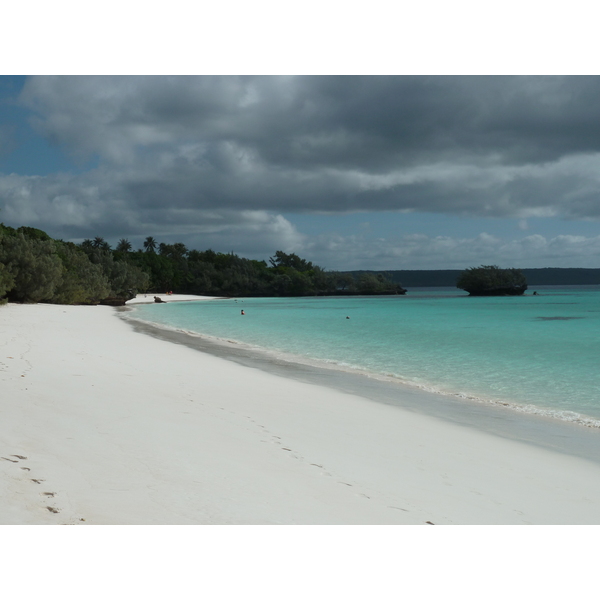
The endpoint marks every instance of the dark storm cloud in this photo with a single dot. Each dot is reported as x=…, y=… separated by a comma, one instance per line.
x=176, y=154
x=291, y=120
x=377, y=123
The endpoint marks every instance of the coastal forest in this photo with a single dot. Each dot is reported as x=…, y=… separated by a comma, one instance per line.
x=36, y=268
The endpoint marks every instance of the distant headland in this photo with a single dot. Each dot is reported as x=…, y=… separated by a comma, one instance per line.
x=449, y=277
x=36, y=268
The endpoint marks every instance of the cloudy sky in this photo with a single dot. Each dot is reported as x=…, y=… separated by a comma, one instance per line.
x=373, y=172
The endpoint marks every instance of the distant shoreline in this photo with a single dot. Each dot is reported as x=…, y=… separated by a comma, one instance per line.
x=448, y=277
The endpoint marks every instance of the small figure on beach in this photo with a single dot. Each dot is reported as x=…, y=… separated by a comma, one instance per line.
x=243, y=312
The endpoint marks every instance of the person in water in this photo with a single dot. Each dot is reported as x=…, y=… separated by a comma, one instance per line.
x=243, y=312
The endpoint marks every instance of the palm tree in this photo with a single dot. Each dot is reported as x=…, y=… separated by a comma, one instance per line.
x=179, y=249
x=150, y=244
x=124, y=245
x=98, y=242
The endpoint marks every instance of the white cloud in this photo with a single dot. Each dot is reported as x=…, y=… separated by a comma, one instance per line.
x=420, y=251
x=75, y=207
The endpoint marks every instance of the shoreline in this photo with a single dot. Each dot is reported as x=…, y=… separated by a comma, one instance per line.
x=119, y=427
x=508, y=420
x=263, y=356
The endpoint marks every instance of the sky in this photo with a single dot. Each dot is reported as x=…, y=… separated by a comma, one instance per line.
x=351, y=172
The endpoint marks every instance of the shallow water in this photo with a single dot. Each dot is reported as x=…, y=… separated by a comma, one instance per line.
x=534, y=353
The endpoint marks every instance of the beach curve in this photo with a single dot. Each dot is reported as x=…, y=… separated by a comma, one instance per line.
x=103, y=425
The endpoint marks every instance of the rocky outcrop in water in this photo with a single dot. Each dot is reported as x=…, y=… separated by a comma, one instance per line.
x=492, y=281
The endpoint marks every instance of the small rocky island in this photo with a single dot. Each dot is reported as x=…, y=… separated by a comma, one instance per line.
x=492, y=281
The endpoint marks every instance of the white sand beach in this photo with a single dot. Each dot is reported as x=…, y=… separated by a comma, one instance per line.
x=103, y=425
x=150, y=298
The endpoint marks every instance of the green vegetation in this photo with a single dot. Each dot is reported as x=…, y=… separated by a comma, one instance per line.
x=7, y=282
x=492, y=281
x=172, y=267
x=82, y=280
x=36, y=268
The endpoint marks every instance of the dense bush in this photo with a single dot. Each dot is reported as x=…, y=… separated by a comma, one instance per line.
x=82, y=281
x=492, y=280
x=124, y=278
x=34, y=266
x=7, y=282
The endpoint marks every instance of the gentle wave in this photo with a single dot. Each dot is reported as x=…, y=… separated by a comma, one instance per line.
x=330, y=364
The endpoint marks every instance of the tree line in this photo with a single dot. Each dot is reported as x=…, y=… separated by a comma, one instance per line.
x=36, y=268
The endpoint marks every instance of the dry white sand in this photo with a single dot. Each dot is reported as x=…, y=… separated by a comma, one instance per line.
x=150, y=298
x=99, y=424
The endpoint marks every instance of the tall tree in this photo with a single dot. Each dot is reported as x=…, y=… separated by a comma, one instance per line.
x=124, y=245
x=292, y=261
x=87, y=245
x=150, y=244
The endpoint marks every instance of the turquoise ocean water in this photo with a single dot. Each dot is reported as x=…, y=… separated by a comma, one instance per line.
x=536, y=354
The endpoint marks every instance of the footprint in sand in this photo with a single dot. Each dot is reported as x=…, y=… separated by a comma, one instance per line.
x=38, y=481
x=52, y=509
x=321, y=467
